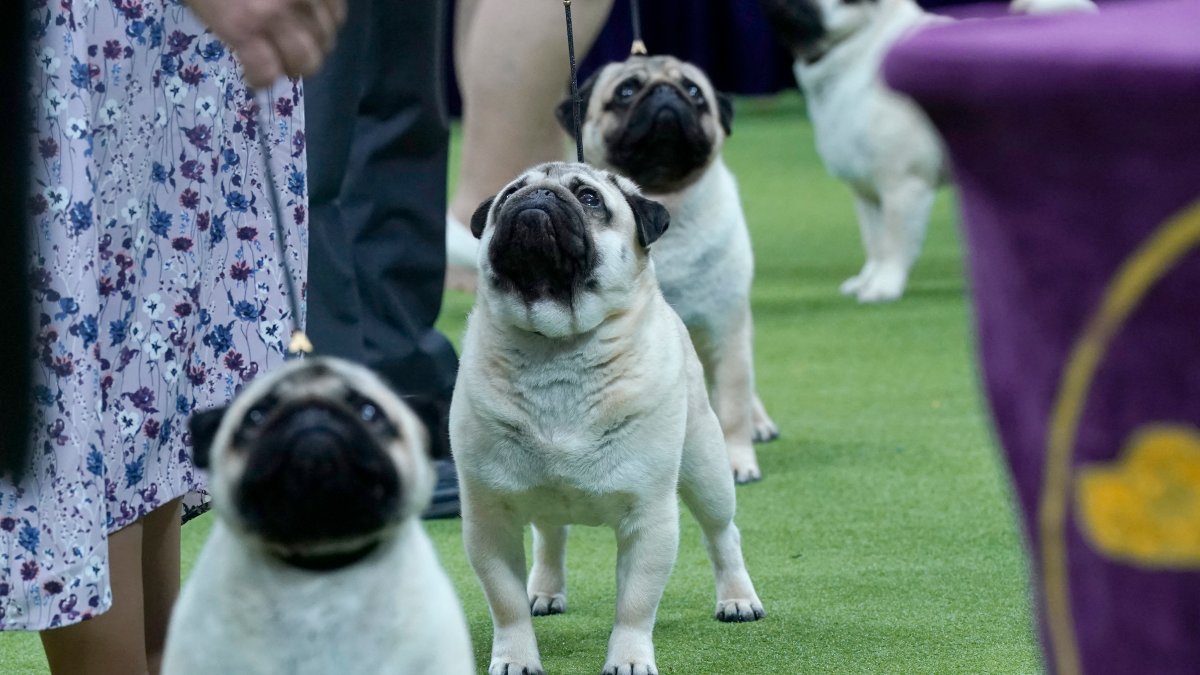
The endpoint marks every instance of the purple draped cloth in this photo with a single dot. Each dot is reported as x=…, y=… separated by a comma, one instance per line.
x=1075, y=142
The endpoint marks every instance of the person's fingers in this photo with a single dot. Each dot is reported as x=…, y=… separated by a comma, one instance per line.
x=337, y=9
x=296, y=46
x=319, y=20
x=260, y=62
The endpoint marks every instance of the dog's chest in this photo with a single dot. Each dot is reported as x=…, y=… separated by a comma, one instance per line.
x=578, y=430
x=568, y=416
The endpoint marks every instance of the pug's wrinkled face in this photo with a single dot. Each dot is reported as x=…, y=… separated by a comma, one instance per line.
x=809, y=28
x=563, y=246
x=654, y=119
x=314, y=457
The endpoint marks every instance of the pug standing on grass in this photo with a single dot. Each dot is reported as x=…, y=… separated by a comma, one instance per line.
x=317, y=563
x=659, y=122
x=580, y=399
x=876, y=140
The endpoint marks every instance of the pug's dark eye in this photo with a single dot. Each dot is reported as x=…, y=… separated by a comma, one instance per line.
x=368, y=412
x=255, y=417
x=627, y=89
x=588, y=197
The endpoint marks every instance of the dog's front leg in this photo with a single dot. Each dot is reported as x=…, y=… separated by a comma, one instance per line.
x=494, y=540
x=709, y=495
x=647, y=542
x=870, y=227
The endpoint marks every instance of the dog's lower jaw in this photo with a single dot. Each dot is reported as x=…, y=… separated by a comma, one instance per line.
x=328, y=562
x=549, y=319
x=327, y=556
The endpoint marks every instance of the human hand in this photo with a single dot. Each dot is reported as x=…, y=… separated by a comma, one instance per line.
x=274, y=37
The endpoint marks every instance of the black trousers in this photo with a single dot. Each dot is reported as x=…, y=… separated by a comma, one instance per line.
x=377, y=151
x=16, y=303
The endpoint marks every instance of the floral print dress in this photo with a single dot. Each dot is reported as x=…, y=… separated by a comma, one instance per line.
x=156, y=275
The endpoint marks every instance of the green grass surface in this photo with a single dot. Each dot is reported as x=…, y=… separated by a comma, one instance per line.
x=883, y=538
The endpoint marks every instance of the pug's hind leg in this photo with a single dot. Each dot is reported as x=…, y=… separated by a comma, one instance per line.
x=765, y=429
x=548, y=578
x=709, y=495
x=906, y=208
x=495, y=547
x=870, y=228
x=730, y=364
x=647, y=542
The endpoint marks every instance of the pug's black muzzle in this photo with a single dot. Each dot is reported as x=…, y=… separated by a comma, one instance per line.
x=662, y=141
x=541, y=247
x=316, y=475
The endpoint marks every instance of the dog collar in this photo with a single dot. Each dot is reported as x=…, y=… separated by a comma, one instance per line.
x=326, y=562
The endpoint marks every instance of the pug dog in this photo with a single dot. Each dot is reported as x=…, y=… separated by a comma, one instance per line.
x=317, y=562
x=580, y=399
x=868, y=135
x=658, y=121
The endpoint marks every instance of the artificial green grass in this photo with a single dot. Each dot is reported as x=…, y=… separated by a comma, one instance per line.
x=883, y=539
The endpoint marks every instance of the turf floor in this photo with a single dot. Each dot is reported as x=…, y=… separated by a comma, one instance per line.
x=883, y=539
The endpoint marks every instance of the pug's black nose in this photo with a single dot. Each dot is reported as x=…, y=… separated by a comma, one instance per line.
x=664, y=92
x=542, y=195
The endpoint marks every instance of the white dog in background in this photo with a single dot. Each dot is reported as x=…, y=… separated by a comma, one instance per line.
x=876, y=140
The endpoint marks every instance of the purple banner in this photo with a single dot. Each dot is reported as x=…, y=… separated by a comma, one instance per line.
x=1075, y=142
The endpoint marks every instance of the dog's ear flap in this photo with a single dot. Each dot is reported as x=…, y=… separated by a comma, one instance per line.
x=479, y=218
x=203, y=425
x=564, y=112
x=725, y=112
x=650, y=217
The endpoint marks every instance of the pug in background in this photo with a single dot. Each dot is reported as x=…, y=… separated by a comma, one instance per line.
x=658, y=121
x=876, y=140
x=580, y=399
x=316, y=563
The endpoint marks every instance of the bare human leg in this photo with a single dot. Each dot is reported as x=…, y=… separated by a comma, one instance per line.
x=113, y=643
x=160, y=576
x=511, y=60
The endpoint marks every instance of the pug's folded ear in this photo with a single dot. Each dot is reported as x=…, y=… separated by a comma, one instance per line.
x=564, y=111
x=203, y=426
x=725, y=112
x=479, y=218
x=651, y=218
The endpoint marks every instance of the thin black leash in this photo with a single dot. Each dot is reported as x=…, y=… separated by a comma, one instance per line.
x=299, y=343
x=574, y=82
x=575, y=75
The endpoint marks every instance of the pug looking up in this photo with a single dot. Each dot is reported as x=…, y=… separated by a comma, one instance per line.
x=580, y=399
x=658, y=121
x=317, y=562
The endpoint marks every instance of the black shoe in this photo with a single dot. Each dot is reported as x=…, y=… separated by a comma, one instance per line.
x=445, y=495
